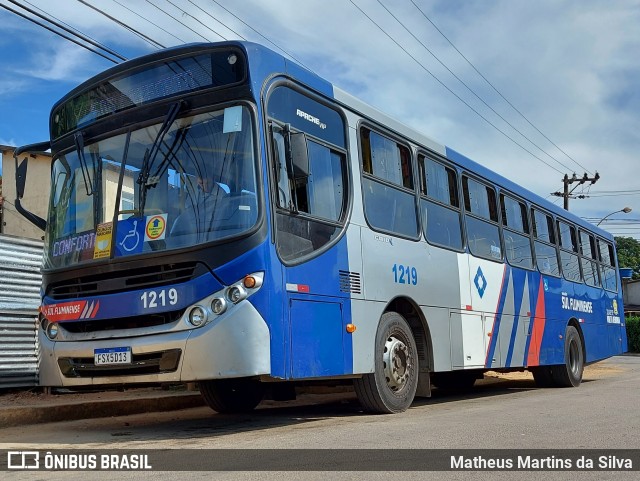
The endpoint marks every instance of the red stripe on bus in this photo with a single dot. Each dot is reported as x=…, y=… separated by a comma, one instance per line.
x=539, y=319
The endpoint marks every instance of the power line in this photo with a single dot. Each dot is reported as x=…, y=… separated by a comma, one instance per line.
x=470, y=89
x=267, y=39
x=452, y=92
x=197, y=20
x=497, y=91
x=181, y=23
x=611, y=195
x=60, y=34
x=47, y=18
x=215, y=19
x=616, y=192
x=124, y=25
x=70, y=26
x=152, y=23
x=614, y=221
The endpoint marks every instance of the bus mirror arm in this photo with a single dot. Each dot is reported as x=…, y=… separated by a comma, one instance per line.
x=21, y=179
x=36, y=220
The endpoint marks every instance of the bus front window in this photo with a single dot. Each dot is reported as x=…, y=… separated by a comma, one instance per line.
x=199, y=186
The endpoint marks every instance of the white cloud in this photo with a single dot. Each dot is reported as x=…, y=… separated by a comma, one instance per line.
x=11, y=84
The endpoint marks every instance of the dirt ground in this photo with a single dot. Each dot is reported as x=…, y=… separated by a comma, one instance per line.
x=38, y=397
x=592, y=372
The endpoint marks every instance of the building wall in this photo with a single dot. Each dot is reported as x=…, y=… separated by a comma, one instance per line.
x=36, y=194
x=631, y=294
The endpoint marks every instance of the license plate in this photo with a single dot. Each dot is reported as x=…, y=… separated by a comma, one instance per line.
x=112, y=355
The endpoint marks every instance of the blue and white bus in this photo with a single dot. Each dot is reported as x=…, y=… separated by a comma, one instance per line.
x=339, y=246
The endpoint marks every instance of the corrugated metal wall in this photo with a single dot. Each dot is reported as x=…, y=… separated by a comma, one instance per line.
x=20, y=279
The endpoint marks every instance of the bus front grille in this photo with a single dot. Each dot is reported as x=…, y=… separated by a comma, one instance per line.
x=133, y=322
x=149, y=363
x=148, y=277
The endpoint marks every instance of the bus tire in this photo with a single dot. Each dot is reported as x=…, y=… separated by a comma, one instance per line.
x=542, y=376
x=232, y=395
x=569, y=374
x=392, y=386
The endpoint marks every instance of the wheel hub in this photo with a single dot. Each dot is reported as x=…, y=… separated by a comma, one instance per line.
x=397, y=363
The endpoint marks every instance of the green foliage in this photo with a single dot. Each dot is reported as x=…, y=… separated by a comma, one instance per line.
x=633, y=333
x=629, y=254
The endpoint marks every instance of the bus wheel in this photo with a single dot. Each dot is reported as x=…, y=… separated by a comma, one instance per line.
x=232, y=395
x=392, y=386
x=569, y=374
x=542, y=376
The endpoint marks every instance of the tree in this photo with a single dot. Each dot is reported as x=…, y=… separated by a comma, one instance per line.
x=629, y=254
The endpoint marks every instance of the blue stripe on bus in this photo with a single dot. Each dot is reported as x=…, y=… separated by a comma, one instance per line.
x=519, y=277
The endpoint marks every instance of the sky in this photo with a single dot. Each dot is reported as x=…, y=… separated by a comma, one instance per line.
x=569, y=68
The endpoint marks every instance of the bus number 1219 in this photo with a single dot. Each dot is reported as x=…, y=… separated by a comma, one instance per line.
x=405, y=274
x=152, y=299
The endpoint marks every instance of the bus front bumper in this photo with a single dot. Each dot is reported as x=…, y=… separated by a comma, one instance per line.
x=234, y=345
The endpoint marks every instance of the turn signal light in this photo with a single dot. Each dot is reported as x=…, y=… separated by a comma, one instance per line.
x=351, y=328
x=252, y=281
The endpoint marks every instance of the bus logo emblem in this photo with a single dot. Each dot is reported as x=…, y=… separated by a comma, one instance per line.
x=480, y=282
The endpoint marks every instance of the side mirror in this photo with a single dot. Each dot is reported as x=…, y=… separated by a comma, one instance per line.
x=299, y=156
x=21, y=179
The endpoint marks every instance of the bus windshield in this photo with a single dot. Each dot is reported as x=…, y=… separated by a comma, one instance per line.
x=166, y=186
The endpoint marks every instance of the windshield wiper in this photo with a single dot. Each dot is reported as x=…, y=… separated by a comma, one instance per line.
x=150, y=155
x=78, y=139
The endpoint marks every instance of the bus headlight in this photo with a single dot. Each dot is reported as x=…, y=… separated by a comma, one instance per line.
x=219, y=305
x=197, y=316
x=236, y=294
x=52, y=330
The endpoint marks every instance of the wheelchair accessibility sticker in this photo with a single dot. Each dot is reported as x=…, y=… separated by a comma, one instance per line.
x=130, y=236
x=135, y=231
x=156, y=227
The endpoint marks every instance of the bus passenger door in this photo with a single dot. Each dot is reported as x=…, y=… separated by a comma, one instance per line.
x=310, y=176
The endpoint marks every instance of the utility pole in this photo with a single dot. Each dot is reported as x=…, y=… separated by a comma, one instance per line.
x=566, y=181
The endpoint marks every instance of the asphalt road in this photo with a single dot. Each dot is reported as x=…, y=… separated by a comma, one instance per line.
x=506, y=413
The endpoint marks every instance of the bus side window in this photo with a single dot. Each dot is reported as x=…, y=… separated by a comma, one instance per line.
x=389, y=199
x=545, y=243
x=607, y=265
x=588, y=259
x=312, y=207
x=440, y=204
x=568, y=243
x=517, y=241
x=481, y=217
